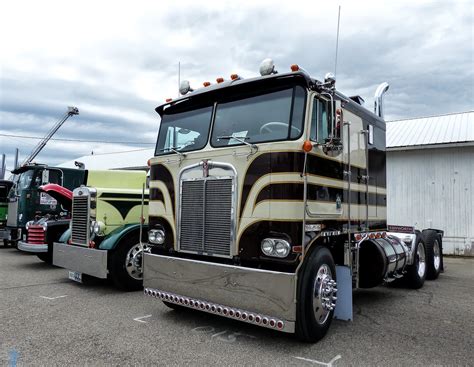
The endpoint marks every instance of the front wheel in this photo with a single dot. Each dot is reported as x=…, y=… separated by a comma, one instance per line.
x=126, y=265
x=316, y=296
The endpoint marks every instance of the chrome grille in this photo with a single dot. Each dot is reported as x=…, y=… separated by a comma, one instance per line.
x=80, y=220
x=206, y=216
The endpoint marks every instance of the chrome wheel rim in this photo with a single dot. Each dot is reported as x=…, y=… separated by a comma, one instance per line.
x=324, y=290
x=133, y=261
x=436, y=255
x=420, y=253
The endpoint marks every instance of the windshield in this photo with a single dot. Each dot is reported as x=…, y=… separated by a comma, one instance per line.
x=25, y=179
x=268, y=117
x=184, y=131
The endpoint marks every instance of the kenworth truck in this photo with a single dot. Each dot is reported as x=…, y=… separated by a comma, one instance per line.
x=104, y=236
x=268, y=204
x=27, y=202
x=5, y=186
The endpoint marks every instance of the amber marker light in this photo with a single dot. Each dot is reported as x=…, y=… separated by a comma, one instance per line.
x=307, y=146
x=234, y=76
x=206, y=84
x=148, y=162
x=220, y=80
x=294, y=67
x=169, y=99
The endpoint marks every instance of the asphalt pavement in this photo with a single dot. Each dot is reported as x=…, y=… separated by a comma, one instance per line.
x=48, y=320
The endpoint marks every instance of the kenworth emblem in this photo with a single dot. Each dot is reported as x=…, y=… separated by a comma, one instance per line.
x=205, y=168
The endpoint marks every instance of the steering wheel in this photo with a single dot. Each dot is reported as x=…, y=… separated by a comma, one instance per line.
x=268, y=127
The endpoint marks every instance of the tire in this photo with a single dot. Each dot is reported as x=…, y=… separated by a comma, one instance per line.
x=313, y=315
x=5, y=243
x=122, y=265
x=47, y=257
x=416, y=273
x=434, y=256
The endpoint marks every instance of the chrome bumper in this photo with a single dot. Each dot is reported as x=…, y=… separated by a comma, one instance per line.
x=28, y=247
x=262, y=297
x=81, y=259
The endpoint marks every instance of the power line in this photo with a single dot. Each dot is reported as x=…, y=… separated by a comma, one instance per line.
x=79, y=140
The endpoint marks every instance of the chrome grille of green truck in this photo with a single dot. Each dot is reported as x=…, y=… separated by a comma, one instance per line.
x=80, y=220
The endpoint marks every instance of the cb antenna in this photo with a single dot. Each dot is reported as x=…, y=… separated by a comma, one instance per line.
x=337, y=41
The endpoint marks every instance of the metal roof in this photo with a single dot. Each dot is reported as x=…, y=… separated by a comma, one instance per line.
x=448, y=130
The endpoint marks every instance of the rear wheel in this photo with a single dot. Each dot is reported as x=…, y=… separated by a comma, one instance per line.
x=126, y=264
x=316, y=296
x=416, y=273
x=433, y=254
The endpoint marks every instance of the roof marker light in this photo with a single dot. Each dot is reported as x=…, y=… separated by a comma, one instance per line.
x=169, y=99
x=206, y=84
x=294, y=67
x=220, y=80
x=235, y=77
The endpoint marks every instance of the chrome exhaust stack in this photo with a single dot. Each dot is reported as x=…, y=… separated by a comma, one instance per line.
x=378, y=98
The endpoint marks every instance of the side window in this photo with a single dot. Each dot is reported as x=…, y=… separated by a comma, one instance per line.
x=320, y=125
x=53, y=176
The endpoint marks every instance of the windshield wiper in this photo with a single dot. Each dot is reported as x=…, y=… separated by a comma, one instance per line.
x=242, y=140
x=173, y=149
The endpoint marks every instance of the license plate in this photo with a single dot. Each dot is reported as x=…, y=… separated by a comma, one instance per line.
x=76, y=276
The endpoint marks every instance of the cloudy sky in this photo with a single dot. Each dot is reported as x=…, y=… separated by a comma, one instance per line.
x=117, y=60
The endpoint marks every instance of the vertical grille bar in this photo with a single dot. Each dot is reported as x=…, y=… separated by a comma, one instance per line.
x=80, y=220
x=206, y=216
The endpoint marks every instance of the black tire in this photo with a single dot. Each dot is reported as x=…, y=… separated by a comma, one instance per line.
x=5, y=243
x=47, y=257
x=412, y=278
x=118, y=272
x=434, y=254
x=307, y=328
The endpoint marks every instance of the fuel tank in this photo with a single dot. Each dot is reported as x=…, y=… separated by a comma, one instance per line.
x=381, y=260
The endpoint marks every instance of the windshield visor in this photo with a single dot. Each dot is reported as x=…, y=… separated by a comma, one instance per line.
x=184, y=131
x=269, y=117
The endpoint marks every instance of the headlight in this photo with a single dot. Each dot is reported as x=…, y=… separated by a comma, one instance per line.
x=45, y=226
x=156, y=236
x=99, y=228
x=28, y=224
x=275, y=247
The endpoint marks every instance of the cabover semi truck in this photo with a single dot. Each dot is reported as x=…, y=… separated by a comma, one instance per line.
x=5, y=186
x=268, y=204
x=27, y=202
x=104, y=236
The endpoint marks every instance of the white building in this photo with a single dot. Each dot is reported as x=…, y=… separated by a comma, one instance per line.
x=430, y=175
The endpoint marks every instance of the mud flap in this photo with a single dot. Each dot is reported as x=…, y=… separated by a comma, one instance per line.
x=343, y=309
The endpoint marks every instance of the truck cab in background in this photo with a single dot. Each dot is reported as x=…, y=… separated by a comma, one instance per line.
x=104, y=236
x=27, y=202
x=5, y=186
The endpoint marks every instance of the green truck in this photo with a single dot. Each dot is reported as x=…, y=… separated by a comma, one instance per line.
x=26, y=202
x=103, y=240
x=5, y=186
